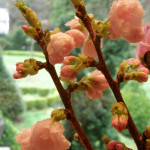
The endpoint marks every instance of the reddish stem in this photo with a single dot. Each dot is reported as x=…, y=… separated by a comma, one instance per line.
x=65, y=96
x=115, y=86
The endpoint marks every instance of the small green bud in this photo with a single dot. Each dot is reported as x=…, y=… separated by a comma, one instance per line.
x=28, y=14
x=58, y=114
x=106, y=139
x=77, y=2
x=76, y=137
x=147, y=132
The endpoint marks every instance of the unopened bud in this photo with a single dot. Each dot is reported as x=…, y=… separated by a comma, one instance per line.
x=77, y=2
x=76, y=137
x=58, y=114
x=106, y=139
x=28, y=14
x=147, y=132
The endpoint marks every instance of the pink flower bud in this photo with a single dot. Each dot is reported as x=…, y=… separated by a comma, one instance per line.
x=67, y=72
x=98, y=80
x=119, y=147
x=89, y=48
x=133, y=61
x=93, y=93
x=68, y=60
x=24, y=27
x=17, y=75
x=119, y=122
x=74, y=24
x=125, y=18
x=77, y=36
x=112, y=145
x=43, y=135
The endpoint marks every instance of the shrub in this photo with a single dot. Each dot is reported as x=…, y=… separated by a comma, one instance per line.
x=11, y=103
x=8, y=136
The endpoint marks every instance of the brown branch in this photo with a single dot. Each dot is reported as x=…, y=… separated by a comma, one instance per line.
x=65, y=96
x=114, y=85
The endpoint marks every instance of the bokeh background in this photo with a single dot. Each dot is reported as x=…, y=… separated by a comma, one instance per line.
x=23, y=102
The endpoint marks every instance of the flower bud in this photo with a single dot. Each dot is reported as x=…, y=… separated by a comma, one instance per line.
x=30, y=31
x=67, y=72
x=76, y=137
x=147, y=132
x=77, y=2
x=58, y=114
x=28, y=14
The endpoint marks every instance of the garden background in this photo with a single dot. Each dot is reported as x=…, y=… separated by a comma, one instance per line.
x=23, y=102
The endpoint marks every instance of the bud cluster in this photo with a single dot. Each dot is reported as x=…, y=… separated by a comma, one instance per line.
x=130, y=70
x=28, y=67
x=120, y=116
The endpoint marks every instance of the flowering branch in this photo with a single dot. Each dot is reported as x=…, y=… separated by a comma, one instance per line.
x=115, y=86
x=65, y=96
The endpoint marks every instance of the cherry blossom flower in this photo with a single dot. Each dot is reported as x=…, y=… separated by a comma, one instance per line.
x=74, y=24
x=89, y=48
x=44, y=135
x=77, y=36
x=125, y=18
x=143, y=48
x=98, y=83
x=60, y=46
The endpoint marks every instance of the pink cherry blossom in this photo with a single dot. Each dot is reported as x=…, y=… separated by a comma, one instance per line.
x=125, y=18
x=89, y=48
x=119, y=122
x=99, y=81
x=74, y=24
x=60, y=46
x=144, y=46
x=77, y=36
x=44, y=135
x=93, y=93
x=68, y=72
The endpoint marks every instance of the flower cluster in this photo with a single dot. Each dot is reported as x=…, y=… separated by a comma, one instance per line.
x=125, y=18
x=44, y=135
x=120, y=117
x=131, y=70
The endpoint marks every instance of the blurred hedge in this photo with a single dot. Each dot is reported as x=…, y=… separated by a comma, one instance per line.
x=11, y=103
x=8, y=136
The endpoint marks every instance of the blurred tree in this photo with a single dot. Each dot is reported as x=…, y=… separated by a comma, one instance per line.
x=11, y=103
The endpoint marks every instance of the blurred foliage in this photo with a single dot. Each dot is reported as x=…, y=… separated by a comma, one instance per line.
x=94, y=117
x=11, y=103
x=8, y=136
x=138, y=104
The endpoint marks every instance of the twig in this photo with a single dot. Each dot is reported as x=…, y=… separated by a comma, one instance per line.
x=113, y=84
x=65, y=96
